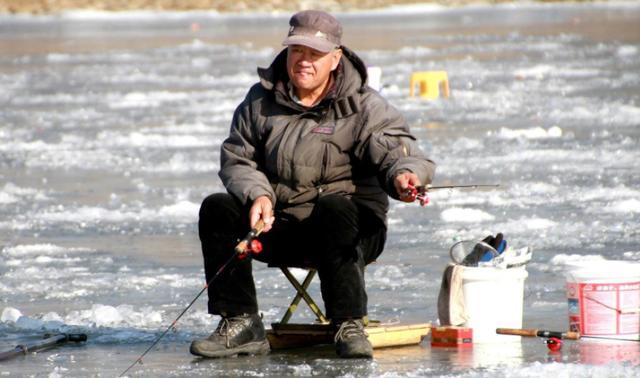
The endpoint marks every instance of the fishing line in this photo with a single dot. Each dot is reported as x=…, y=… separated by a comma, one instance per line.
x=173, y=324
x=241, y=249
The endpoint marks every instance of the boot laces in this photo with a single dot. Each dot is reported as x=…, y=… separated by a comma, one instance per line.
x=229, y=327
x=350, y=328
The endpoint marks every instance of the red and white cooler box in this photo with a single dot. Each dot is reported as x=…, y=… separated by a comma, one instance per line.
x=604, y=299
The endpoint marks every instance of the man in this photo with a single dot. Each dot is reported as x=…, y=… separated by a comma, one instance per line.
x=314, y=153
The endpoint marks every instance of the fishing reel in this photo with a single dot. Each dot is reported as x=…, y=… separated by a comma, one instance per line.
x=250, y=244
x=554, y=344
x=254, y=247
x=552, y=339
x=417, y=193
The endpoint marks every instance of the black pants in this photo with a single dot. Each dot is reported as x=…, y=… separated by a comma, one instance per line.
x=338, y=239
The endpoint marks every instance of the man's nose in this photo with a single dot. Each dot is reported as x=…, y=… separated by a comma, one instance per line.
x=307, y=56
x=305, y=60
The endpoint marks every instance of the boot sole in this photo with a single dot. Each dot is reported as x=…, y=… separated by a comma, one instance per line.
x=357, y=355
x=362, y=351
x=252, y=348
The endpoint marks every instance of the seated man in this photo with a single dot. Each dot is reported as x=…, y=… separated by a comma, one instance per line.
x=314, y=153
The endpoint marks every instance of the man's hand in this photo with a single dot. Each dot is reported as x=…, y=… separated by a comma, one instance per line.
x=262, y=208
x=403, y=183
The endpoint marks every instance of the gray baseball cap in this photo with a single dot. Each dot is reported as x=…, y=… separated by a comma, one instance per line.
x=316, y=29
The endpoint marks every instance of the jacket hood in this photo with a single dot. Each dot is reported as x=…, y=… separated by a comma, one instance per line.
x=353, y=77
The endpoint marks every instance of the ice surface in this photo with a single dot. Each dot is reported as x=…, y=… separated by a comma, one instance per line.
x=465, y=215
x=110, y=133
x=10, y=314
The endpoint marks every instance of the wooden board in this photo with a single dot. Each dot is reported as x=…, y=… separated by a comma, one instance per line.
x=284, y=336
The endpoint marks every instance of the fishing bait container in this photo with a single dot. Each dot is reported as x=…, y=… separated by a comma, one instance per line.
x=493, y=298
x=604, y=299
x=451, y=337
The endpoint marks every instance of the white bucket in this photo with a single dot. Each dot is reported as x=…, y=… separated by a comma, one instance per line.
x=494, y=298
x=604, y=299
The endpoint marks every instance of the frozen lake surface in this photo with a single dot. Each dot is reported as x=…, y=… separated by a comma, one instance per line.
x=110, y=128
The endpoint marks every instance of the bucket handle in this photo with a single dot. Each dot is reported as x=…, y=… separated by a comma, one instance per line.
x=488, y=247
x=618, y=310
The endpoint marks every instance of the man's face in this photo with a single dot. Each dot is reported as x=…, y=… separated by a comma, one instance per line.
x=308, y=68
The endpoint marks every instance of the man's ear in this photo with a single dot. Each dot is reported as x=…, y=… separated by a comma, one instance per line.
x=337, y=54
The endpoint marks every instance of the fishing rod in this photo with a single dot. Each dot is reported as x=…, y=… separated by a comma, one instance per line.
x=249, y=244
x=420, y=192
x=48, y=342
x=426, y=188
x=554, y=338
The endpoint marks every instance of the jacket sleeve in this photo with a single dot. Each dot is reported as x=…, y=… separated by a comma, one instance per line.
x=241, y=170
x=387, y=144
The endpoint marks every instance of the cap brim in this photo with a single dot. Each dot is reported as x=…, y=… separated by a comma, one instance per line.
x=310, y=41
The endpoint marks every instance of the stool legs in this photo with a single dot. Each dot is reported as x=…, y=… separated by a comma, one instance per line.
x=301, y=293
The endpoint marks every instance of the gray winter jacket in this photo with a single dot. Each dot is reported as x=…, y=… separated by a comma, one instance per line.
x=352, y=143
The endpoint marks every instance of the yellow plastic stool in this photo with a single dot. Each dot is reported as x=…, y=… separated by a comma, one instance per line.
x=431, y=84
